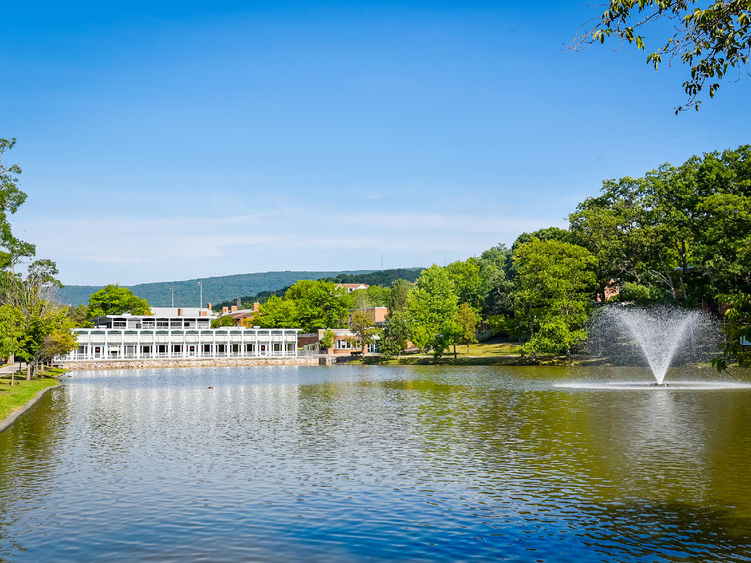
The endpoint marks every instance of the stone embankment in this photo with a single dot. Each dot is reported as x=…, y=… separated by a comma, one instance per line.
x=197, y=362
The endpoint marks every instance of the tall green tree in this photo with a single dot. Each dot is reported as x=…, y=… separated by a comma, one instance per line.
x=553, y=294
x=362, y=325
x=395, y=335
x=278, y=312
x=432, y=306
x=737, y=346
x=11, y=322
x=398, y=299
x=32, y=296
x=116, y=300
x=466, y=320
x=318, y=304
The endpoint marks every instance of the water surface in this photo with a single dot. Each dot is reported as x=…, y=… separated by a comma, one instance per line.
x=359, y=462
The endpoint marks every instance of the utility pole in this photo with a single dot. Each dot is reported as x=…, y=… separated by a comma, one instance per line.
x=200, y=302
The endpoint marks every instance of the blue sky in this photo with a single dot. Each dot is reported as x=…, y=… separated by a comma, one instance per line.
x=173, y=140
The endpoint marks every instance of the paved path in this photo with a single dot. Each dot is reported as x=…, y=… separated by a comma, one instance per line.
x=10, y=368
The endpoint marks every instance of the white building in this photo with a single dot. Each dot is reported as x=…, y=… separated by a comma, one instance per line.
x=185, y=334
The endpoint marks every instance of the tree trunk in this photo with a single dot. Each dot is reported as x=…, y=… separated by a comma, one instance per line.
x=28, y=371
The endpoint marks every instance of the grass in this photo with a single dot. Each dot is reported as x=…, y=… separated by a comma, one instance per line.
x=14, y=397
x=493, y=347
x=494, y=352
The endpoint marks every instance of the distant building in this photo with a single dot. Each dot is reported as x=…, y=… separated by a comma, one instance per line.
x=176, y=333
x=161, y=317
x=350, y=287
x=241, y=316
x=377, y=315
x=346, y=341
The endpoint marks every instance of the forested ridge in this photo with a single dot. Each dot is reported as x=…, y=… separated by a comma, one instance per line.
x=215, y=289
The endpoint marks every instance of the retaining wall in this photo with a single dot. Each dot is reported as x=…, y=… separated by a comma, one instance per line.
x=193, y=363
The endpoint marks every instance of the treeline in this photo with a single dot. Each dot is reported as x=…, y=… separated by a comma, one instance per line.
x=33, y=326
x=216, y=289
x=679, y=234
x=383, y=278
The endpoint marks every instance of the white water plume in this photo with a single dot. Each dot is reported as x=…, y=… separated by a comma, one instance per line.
x=660, y=335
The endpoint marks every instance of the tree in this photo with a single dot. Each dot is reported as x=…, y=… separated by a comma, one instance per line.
x=432, y=307
x=10, y=330
x=466, y=319
x=116, y=300
x=79, y=315
x=59, y=341
x=398, y=299
x=622, y=230
x=277, y=312
x=327, y=339
x=307, y=304
x=362, y=325
x=679, y=229
x=469, y=283
x=711, y=40
x=395, y=335
x=553, y=294
x=318, y=304
x=40, y=315
x=378, y=296
x=223, y=321
x=12, y=250
x=737, y=330
x=548, y=233
x=499, y=256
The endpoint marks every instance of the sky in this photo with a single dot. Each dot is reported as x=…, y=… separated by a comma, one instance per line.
x=173, y=140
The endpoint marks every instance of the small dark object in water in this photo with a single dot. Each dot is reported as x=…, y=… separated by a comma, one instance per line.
x=660, y=385
x=211, y=386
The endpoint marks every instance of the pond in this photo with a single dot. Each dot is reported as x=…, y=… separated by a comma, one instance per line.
x=370, y=462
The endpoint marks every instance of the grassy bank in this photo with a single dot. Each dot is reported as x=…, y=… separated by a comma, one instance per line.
x=14, y=397
x=448, y=360
x=496, y=352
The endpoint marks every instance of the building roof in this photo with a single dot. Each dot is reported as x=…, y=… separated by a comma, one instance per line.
x=186, y=312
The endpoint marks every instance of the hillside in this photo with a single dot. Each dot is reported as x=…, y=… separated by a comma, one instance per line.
x=379, y=277
x=215, y=289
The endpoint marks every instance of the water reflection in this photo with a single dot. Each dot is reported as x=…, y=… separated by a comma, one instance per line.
x=360, y=462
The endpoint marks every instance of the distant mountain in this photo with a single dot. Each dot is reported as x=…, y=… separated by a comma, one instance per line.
x=215, y=289
x=378, y=277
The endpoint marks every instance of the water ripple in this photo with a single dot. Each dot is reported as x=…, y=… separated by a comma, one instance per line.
x=354, y=463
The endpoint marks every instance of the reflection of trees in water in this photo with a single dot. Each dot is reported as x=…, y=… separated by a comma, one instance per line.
x=614, y=468
x=650, y=530
x=30, y=460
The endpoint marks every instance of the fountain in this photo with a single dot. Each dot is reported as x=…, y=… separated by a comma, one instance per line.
x=658, y=332
x=659, y=335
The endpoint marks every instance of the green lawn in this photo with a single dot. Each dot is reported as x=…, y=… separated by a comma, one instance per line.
x=13, y=398
x=494, y=347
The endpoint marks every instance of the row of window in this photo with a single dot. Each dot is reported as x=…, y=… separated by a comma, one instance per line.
x=179, y=349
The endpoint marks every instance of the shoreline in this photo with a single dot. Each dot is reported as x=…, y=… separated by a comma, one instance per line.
x=195, y=362
x=8, y=421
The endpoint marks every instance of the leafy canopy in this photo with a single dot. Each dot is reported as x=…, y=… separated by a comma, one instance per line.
x=432, y=306
x=553, y=293
x=116, y=300
x=12, y=250
x=712, y=40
